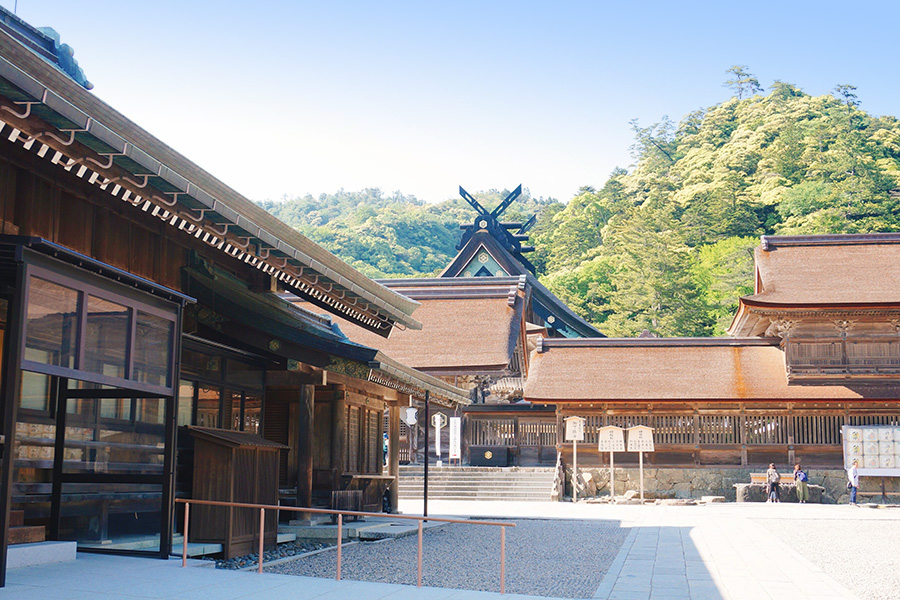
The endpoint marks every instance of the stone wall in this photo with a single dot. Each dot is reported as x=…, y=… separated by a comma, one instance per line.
x=709, y=481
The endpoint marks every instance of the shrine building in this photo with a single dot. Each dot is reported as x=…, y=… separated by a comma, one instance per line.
x=142, y=330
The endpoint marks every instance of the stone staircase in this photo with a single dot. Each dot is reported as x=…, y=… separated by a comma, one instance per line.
x=519, y=484
x=19, y=533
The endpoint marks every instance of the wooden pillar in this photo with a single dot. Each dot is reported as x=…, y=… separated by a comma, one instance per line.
x=338, y=434
x=394, y=453
x=792, y=457
x=696, y=435
x=742, y=435
x=304, y=442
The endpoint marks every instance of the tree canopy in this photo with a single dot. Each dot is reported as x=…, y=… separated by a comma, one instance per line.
x=664, y=245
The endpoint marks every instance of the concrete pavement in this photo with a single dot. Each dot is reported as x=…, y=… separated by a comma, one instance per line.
x=719, y=551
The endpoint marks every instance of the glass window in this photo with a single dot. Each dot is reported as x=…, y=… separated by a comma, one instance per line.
x=51, y=324
x=115, y=408
x=151, y=410
x=234, y=400
x=208, y=401
x=252, y=412
x=152, y=349
x=35, y=391
x=106, y=337
x=185, y=403
x=200, y=364
x=100, y=515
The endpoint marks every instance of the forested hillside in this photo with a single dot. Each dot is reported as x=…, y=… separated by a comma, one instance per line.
x=395, y=235
x=665, y=245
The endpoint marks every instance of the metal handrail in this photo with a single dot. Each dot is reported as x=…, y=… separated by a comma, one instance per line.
x=340, y=532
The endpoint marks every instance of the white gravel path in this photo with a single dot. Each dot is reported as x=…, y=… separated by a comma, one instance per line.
x=544, y=557
x=863, y=555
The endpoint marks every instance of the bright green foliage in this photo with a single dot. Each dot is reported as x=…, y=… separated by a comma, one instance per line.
x=664, y=246
x=396, y=235
x=724, y=272
x=676, y=235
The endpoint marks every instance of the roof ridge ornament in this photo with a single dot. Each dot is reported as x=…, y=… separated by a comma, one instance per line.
x=489, y=221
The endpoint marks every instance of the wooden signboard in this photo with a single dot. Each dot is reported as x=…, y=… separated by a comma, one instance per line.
x=574, y=429
x=574, y=434
x=611, y=439
x=640, y=439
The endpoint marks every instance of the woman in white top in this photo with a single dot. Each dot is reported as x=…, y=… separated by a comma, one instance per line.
x=853, y=480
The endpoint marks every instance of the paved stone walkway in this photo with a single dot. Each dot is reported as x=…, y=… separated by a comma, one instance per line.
x=715, y=552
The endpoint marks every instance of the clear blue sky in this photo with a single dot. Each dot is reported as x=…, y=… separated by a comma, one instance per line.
x=296, y=97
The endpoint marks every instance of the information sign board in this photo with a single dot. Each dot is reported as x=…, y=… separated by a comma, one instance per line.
x=455, y=427
x=611, y=439
x=574, y=429
x=640, y=439
x=876, y=448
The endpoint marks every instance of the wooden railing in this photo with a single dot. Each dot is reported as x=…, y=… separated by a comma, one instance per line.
x=340, y=533
x=747, y=429
x=853, y=358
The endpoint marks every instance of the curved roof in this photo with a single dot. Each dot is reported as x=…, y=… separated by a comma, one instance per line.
x=676, y=369
x=468, y=325
x=828, y=270
x=49, y=107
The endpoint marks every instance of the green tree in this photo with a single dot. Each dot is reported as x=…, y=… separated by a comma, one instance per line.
x=742, y=82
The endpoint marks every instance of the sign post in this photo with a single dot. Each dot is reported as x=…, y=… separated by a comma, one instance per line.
x=410, y=417
x=438, y=420
x=612, y=439
x=574, y=434
x=455, y=445
x=640, y=440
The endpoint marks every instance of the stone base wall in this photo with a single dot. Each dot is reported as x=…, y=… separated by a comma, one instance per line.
x=665, y=482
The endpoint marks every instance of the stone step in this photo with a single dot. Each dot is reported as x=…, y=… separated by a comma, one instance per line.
x=472, y=494
x=16, y=518
x=490, y=499
x=432, y=469
x=26, y=534
x=469, y=475
x=455, y=485
x=477, y=482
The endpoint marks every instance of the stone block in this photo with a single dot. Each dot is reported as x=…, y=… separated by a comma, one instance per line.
x=682, y=490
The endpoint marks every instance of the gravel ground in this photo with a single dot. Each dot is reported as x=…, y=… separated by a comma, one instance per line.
x=861, y=555
x=285, y=550
x=559, y=558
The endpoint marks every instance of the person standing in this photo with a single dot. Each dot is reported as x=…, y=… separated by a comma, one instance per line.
x=773, y=477
x=801, y=483
x=853, y=481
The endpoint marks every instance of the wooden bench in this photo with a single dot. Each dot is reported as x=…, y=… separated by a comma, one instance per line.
x=763, y=479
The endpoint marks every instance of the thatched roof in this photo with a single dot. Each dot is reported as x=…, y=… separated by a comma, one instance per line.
x=458, y=335
x=663, y=369
x=828, y=270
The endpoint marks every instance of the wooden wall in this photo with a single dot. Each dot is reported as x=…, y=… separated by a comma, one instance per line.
x=38, y=198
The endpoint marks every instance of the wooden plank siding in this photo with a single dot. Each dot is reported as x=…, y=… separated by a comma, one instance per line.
x=692, y=436
x=36, y=199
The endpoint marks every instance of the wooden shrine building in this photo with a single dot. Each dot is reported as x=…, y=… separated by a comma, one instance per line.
x=140, y=295
x=481, y=320
x=815, y=347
